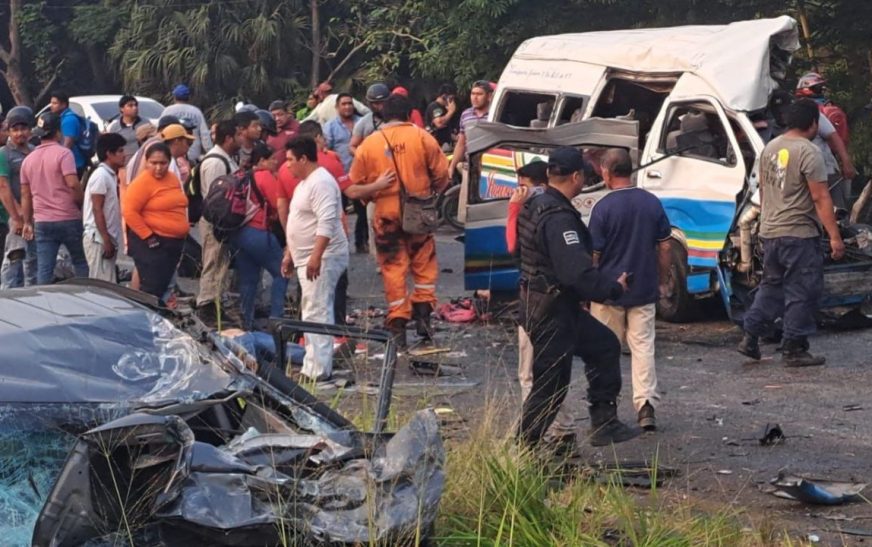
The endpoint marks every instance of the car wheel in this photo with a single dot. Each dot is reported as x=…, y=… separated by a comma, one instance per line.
x=677, y=305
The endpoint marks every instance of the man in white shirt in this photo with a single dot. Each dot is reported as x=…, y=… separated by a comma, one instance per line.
x=101, y=211
x=317, y=249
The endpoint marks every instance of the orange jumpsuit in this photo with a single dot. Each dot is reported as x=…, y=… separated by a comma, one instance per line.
x=423, y=169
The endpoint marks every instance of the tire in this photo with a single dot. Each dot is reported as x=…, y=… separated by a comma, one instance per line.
x=448, y=207
x=679, y=306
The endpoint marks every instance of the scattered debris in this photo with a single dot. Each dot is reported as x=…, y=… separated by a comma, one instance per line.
x=817, y=492
x=447, y=270
x=431, y=368
x=461, y=310
x=814, y=538
x=753, y=402
x=772, y=435
x=420, y=352
x=852, y=408
x=634, y=474
x=724, y=472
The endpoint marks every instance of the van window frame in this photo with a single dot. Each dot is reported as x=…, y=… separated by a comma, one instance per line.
x=504, y=97
x=711, y=109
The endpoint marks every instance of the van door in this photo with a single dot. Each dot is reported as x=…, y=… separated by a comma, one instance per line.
x=699, y=185
x=496, y=152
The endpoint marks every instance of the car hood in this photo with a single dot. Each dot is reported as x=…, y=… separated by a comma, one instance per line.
x=84, y=344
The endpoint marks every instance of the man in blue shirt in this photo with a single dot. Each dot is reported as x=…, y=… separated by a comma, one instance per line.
x=338, y=134
x=71, y=128
x=631, y=234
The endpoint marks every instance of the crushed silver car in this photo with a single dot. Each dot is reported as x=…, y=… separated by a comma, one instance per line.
x=174, y=435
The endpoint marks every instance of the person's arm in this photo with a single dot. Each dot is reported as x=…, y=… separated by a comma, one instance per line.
x=436, y=163
x=356, y=141
x=70, y=130
x=11, y=206
x=26, y=212
x=443, y=120
x=287, y=263
x=515, y=204
x=75, y=187
x=573, y=265
x=325, y=206
x=459, y=153
x=284, y=210
x=135, y=198
x=97, y=203
x=837, y=145
x=366, y=191
x=823, y=204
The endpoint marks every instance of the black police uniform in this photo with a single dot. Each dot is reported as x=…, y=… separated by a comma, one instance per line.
x=557, y=275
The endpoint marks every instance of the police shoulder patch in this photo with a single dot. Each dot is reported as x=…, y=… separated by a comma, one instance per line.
x=571, y=237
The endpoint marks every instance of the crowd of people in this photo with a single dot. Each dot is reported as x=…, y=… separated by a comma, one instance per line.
x=269, y=190
x=154, y=187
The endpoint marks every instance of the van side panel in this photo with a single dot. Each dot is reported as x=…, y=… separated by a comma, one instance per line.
x=705, y=224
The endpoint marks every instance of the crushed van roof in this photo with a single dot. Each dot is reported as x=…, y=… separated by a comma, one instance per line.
x=733, y=58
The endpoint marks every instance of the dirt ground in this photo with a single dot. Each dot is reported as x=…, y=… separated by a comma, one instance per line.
x=715, y=405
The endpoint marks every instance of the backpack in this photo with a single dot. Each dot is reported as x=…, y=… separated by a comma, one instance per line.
x=86, y=142
x=228, y=206
x=194, y=188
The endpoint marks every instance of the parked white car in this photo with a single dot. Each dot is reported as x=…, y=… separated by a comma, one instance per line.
x=102, y=109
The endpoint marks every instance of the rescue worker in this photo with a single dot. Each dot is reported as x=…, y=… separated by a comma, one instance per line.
x=557, y=275
x=421, y=168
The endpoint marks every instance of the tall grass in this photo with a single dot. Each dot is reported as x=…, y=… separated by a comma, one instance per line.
x=499, y=494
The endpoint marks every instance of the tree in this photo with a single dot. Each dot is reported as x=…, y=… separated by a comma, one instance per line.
x=11, y=58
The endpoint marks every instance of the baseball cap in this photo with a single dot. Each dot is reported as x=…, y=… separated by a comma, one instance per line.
x=536, y=170
x=175, y=131
x=145, y=131
x=181, y=91
x=278, y=104
x=400, y=90
x=19, y=115
x=565, y=160
x=47, y=124
x=165, y=121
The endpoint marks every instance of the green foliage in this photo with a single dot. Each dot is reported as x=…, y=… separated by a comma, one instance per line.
x=38, y=41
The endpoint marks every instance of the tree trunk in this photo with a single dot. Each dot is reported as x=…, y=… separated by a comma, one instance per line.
x=316, y=44
x=99, y=67
x=12, y=59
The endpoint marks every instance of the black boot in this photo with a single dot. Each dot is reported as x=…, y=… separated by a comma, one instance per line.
x=750, y=347
x=397, y=328
x=421, y=313
x=795, y=354
x=646, y=418
x=605, y=428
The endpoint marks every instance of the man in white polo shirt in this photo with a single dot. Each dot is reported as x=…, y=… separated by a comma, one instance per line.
x=317, y=249
x=102, y=213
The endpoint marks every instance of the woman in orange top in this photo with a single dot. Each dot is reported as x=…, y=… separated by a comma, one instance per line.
x=156, y=212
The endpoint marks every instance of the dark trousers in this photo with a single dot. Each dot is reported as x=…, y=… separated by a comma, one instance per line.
x=792, y=285
x=361, y=227
x=340, y=301
x=155, y=266
x=558, y=331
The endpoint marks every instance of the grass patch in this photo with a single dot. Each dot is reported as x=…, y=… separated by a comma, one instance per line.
x=499, y=494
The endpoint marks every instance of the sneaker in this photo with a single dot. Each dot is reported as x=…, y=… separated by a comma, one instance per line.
x=646, y=417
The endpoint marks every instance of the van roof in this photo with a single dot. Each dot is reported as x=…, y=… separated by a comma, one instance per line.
x=734, y=59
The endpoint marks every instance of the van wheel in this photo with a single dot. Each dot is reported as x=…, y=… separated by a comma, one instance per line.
x=449, y=205
x=677, y=306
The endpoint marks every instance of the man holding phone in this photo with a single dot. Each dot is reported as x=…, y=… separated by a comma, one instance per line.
x=440, y=114
x=631, y=234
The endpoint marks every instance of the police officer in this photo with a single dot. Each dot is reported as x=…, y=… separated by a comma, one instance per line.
x=557, y=275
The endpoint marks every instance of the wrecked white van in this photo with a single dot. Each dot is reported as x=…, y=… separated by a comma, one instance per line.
x=695, y=93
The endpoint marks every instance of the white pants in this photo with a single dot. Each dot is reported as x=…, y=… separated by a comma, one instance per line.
x=316, y=305
x=563, y=423
x=98, y=267
x=636, y=326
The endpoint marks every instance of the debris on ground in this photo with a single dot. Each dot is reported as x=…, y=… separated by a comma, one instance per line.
x=461, y=310
x=772, y=435
x=815, y=491
x=432, y=368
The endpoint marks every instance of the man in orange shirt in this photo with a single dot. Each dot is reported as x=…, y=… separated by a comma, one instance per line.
x=420, y=166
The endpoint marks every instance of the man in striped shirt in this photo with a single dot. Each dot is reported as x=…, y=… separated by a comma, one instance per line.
x=480, y=96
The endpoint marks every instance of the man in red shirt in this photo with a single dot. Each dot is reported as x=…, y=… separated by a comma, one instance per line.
x=287, y=126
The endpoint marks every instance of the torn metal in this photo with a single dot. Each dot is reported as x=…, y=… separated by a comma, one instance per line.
x=175, y=437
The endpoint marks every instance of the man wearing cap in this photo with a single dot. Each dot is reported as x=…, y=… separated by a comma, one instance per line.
x=631, y=232
x=480, y=96
x=19, y=263
x=102, y=209
x=191, y=116
x=532, y=180
x=557, y=275
x=51, y=200
x=287, y=128
x=126, y=124
x=376, y=95
x=415, y=115
x=440, y=113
